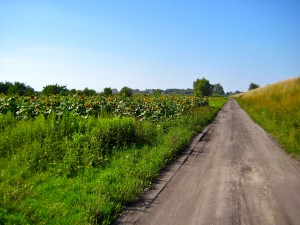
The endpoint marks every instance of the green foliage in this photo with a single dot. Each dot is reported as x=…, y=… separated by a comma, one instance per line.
x=126, y=92
x=253, y=86
x=141, y=107
x=174, y=91
x=4, y=87
x=233, y=93
x=157, y=92
x=69, y=169
x=202, y=88
x=107, y=91
x=73, y=91
x=55, y=90
x=217, y=102
x=218, y=90
x=89, y=92
x=17, y=88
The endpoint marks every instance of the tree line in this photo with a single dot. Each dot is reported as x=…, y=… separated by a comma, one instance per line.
x=21, y=89
x=201, y=87
x=16, y=88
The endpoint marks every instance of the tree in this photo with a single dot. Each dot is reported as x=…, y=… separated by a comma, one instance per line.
x=29, y=91
x=202, y=88
x=237, y=92
x=73, y=91
x=107, y=91
x=253, y=86
x=89, y=92
x=126, y=92
x=179, y=91
x=4, y=87
x=55, y=89
x=218, y=89
x=19, y=89
x=157, y=92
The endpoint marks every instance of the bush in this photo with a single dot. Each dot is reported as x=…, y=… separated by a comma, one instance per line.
x=126, y=92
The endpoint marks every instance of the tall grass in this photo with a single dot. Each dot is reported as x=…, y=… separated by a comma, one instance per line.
x=276, y=108
x=75, y=170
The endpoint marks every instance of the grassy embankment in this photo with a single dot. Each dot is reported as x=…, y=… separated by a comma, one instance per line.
x=276, y=108
x=73, y=170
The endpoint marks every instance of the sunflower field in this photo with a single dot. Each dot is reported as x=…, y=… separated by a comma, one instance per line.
x=80, y=160
x=141, y=106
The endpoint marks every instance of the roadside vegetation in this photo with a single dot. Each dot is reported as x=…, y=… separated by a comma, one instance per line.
x=217, y=102
x=276, y=108
x=79, y=159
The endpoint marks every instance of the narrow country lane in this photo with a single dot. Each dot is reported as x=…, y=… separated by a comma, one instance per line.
x=237, y=174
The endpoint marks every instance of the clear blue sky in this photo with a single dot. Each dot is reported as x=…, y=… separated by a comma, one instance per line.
x=149, y=43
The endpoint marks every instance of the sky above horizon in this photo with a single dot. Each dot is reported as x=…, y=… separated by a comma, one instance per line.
x=149, y=44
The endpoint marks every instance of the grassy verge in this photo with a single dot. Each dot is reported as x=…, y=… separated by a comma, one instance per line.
x=277, y=109
x=217, y=102
x=73, y=170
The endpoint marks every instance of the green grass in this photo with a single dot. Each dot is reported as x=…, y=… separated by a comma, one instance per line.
x=75, y=170
x=217, y=102
x=277, y=109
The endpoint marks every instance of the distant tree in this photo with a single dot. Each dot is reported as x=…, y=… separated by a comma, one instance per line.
x=14, y=90
x=179, y=91
x=173, y=91
x=157, y=92
x=29, y=91
x=253, y=86
x=237, y=92
x=149, y=91
x=202, y=88
x=218, y=89
x=233, y=93
x=89, y=92
x=137, y=91
x=189, y=91
x=126, y=92
x=19, y=88
x=107, y=91
x=4, y=87
x=73, y=91
x=55, y=89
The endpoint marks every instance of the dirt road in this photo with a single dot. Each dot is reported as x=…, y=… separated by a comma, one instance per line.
x=235, y=175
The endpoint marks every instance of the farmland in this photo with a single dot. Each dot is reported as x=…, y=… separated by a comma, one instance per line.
x=78, y=160
x=276, y=108
x=141, y=107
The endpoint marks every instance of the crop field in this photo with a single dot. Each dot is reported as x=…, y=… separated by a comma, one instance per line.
x=141, y=106
x=80, y=160
x=276, y=108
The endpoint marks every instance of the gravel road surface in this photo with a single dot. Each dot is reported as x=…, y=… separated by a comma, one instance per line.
x=236, y=174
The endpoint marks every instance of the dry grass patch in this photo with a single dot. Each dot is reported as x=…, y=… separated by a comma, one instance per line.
x=276, y=108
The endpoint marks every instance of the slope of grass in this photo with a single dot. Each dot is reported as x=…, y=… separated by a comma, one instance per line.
x=73, y=170
x=276, y=108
